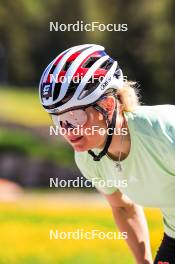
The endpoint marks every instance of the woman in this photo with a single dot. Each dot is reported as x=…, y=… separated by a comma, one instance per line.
x=84, y=88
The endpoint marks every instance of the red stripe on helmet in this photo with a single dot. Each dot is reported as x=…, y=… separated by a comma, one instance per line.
x=73, y=56
x=58, y=60
x=82, y=71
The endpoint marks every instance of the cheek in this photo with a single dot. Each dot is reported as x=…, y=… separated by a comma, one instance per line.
x=93, y=127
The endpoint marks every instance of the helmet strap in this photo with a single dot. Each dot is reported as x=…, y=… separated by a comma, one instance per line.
x=110, y=126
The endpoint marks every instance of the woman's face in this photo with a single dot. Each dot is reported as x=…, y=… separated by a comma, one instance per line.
x=88, y=137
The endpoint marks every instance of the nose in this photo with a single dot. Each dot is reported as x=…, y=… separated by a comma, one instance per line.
x=66, y=125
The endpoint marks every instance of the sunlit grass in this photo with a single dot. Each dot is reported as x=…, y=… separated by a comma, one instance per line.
x=23, y=107
x=25, y=233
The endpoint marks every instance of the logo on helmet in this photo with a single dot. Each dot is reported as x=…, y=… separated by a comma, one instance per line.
x=105, y=83
x=47, y=90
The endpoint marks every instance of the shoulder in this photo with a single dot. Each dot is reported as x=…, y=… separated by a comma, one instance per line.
x=154, y=110
x=151, y=110
x=154, y=121
x=152, y=114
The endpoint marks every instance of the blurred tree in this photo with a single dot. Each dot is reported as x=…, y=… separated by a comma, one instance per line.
x=15, y=42
x=145, y=51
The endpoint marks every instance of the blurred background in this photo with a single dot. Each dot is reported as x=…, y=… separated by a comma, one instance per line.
x=29, y=156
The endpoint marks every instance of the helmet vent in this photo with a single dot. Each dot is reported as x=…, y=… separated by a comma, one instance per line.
x=107, y=64
x=90, y=62
x=89, y=88
x=56, y=90
x=66, y=66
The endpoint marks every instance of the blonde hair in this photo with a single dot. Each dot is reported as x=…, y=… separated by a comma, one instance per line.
x=128, y=96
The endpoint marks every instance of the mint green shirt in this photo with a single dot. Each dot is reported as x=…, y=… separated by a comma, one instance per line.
x=149, y=169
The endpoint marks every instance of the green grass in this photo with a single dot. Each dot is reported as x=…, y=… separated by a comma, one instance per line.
x=29, y=145
x=25, y=227
x=22, y=106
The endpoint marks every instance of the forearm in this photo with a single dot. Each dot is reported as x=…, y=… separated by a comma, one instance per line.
x=132, y=220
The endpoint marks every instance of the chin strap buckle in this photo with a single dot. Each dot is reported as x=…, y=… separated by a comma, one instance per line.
x=96, y=158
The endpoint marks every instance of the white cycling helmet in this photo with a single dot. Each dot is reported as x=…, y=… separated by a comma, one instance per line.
x=77, y=77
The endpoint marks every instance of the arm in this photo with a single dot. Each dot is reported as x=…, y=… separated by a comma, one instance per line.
x=130, y=218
